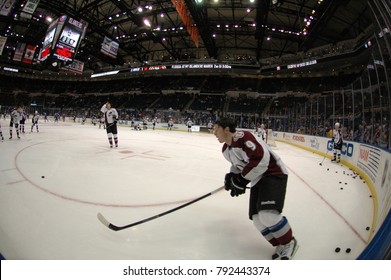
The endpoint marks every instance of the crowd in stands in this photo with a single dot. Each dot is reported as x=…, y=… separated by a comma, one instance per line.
x=211, y=98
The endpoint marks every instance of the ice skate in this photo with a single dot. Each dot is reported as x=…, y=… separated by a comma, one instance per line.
x=288, y=250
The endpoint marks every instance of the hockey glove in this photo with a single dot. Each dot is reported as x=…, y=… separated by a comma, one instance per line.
x=227, y=181
x=238, y=185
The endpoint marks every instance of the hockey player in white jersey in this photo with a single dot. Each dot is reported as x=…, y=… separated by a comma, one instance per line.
x=22, y=121
x=189, y=125
x=261, y=131
x=252, y=160
x=34, y=121
x=210, y=126
x=16, y=116
x=111, y=117
x=337, y=141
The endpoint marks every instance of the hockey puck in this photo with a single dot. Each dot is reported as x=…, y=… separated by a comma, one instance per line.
x=337, y=249
x=42, y=176
x=348, y=250
x=367, y=228
x=327, y=169
x=341, y=188
x=320, y=163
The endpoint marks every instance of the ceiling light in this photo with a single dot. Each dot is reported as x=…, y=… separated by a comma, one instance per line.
x=146, y=22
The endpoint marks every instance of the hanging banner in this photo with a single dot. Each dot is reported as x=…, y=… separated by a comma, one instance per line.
x=29, y=9
x=3, y=40
x=19, y=51
x=76, y=67
x=187, y=20
x=29, y=54
x=109, y=47
x=6, y=7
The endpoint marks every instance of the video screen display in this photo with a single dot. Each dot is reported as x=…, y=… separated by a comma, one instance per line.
x=69, y=36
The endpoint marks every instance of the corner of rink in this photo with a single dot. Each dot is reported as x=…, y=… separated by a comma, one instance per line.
x=371, y=164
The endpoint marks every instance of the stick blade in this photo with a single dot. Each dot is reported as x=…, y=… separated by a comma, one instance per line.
x=106, y=223
x=103, y=220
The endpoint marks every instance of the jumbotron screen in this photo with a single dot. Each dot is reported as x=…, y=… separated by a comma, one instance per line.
x=62, y=39
x=68, y=41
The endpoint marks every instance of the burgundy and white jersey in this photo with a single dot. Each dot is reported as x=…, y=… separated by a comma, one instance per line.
x=337, y=135
x=252, y=157
x=16, y=116
x=110, y=114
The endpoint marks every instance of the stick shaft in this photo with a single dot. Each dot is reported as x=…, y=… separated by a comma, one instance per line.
x=117, y=228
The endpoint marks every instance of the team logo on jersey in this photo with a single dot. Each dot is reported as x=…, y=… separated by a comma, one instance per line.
x=238, y=135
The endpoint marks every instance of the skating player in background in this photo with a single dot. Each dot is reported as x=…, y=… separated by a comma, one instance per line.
x=56, y=117
x=111, y=117
x=189, y=125
x=154, y=121
x=253, y=161
x=22, y=121
x=210, y=126
x=337, y=141
x=1, y=132
x=261, y=131
x=16, y=116
x=170, y=124
x=34, y=121
x=102, y=122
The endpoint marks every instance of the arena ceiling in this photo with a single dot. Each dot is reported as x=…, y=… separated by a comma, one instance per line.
x=228, y=29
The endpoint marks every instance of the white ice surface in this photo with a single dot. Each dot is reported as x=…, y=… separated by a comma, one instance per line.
x=55, y=217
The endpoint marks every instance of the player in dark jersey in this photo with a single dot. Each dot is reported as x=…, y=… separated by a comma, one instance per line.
x=253, y=161
x=1, y=132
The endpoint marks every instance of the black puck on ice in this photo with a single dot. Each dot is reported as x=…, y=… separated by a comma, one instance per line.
x=367, y=228
x=42, y=176
x=327, y=169
x=337, y=250
x=341, y=188
x=348, y=250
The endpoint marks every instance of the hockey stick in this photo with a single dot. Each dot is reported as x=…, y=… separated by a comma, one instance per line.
x=111, y=226
x=324, y=158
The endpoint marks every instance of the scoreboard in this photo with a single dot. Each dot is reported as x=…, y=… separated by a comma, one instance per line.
x=62, y=40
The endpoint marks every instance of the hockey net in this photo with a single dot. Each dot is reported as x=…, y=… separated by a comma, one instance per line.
x=270, y=138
